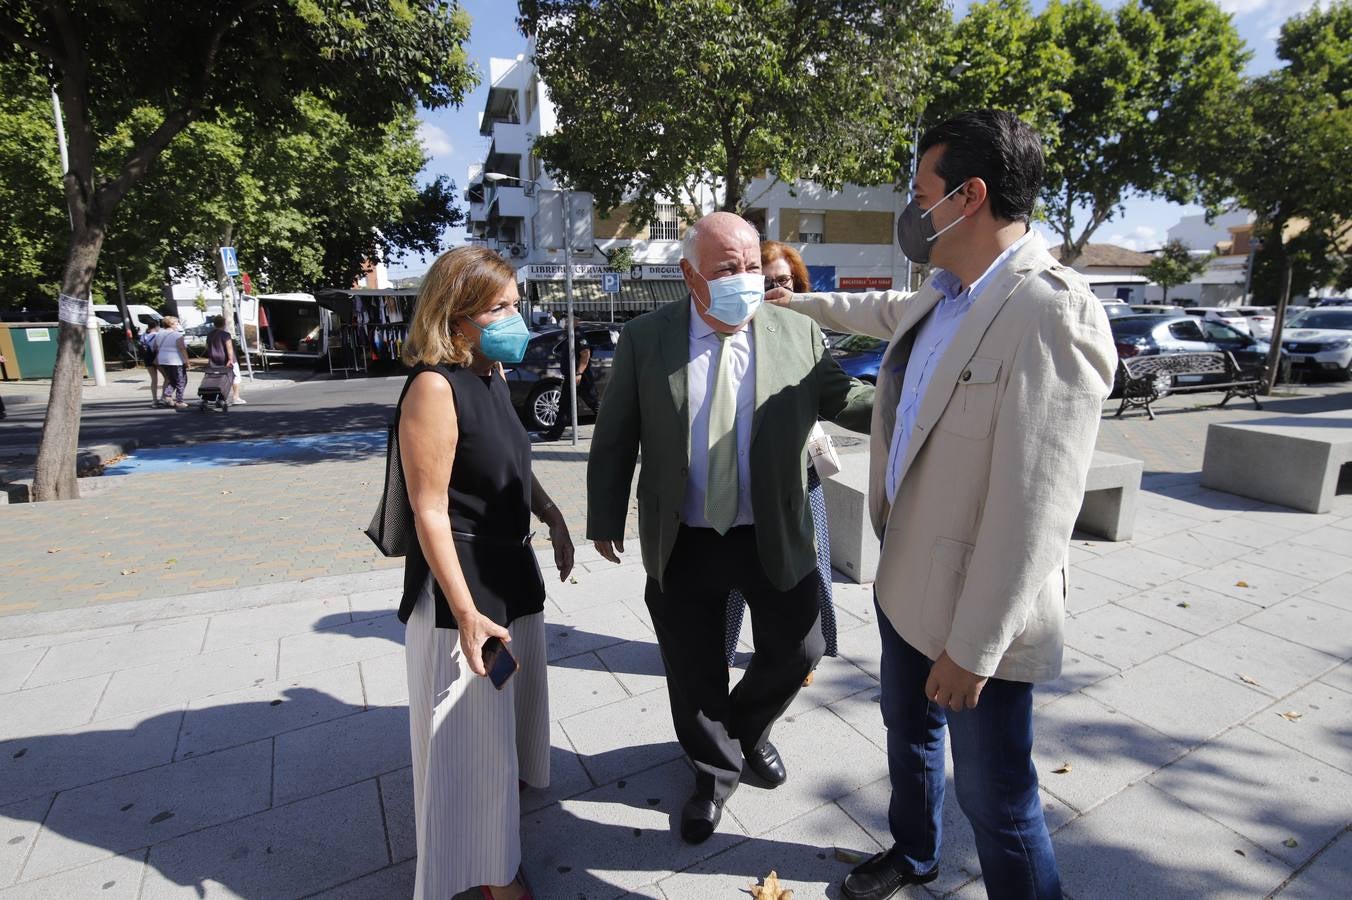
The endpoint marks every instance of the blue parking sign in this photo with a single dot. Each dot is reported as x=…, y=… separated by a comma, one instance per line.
x=230, y=261
x=610, y=282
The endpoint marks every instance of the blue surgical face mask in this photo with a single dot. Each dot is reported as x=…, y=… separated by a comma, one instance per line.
x=505, y=340
x=733, y=299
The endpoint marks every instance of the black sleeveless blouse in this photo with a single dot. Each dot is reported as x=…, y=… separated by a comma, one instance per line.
x=489, y=506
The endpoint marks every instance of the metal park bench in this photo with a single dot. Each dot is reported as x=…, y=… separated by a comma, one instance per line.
x=1146, y=379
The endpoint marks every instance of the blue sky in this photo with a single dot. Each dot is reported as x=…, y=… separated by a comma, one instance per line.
x=451, y=136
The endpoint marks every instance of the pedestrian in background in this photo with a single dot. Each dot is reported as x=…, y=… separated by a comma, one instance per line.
x=171, y=355
x=471, y=577
x=148, y=354
x=582, y=378
x=221, y=352
x=3, y=414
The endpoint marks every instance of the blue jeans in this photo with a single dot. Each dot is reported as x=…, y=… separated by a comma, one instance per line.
x=993, y=774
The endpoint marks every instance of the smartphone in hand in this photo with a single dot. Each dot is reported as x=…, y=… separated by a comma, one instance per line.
x=498, y=661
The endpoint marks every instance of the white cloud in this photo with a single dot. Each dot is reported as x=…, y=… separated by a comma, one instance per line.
x=435, y=141
x=1284, y=8
x=1142, y=237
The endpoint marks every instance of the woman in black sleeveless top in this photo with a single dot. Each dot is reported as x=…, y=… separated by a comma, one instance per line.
x=472, y=576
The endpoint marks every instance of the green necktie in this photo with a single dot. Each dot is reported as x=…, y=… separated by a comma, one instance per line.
x=720, y=492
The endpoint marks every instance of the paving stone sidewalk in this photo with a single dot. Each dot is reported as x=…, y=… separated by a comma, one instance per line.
x=253, y=742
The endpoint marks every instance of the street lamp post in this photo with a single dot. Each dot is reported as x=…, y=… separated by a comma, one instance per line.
x=571, y=375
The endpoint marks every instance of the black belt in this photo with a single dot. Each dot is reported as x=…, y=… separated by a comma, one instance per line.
x=493, y=540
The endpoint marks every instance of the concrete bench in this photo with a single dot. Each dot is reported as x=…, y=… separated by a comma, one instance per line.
x=854, y=546
x=1292, y=461
x=1109, y=509
x=1110, y=492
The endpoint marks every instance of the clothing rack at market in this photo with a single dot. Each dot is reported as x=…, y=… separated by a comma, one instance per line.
x=374, y=326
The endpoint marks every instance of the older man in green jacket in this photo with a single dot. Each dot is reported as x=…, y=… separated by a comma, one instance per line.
x=719, y=393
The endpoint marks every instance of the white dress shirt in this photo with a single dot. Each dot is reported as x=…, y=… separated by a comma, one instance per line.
x=936, y=333
x=699, y=375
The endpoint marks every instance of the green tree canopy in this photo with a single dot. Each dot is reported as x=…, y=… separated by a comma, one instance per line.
x=34, y=226
x=652, y=97
x=1289, y=161
x=306, y=205
x=1175, y=264
x=191, y=61
x=1136, y=101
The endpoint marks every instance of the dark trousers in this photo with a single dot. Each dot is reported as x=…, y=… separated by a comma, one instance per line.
x=993, y=774
x=175, y=381
x=690, y=615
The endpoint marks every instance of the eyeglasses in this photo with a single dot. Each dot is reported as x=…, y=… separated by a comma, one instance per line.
x=783, y=281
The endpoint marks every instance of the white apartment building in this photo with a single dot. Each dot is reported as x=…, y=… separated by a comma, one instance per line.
x=846, y=238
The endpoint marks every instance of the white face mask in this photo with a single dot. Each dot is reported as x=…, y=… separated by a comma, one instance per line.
x=735, y=298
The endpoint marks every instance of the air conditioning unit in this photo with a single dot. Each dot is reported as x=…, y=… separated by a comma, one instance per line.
x=518, y=250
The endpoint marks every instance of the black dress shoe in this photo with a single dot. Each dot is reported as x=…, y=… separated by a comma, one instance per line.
x=766, y=762
x=881, y=877
x=699, y=818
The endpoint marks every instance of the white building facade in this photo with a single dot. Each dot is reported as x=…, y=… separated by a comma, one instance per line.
x=846, y=238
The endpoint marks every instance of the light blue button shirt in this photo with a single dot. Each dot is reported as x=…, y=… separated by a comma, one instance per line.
x=699, y=375
x=936, y=333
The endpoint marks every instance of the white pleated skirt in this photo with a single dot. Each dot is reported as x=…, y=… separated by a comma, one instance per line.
x=472, y=745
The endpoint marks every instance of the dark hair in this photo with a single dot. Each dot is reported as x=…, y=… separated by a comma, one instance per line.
x=218, y=321
x=997, y=147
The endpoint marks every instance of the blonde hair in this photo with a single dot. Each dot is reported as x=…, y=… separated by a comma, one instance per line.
x=169, y=321
x=461, y=283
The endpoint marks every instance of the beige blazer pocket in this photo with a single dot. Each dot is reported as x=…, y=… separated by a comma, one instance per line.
x=972, y=409
x=947, y=574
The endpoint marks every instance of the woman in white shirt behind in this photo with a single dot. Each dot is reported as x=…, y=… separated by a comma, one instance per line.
x=171, y=355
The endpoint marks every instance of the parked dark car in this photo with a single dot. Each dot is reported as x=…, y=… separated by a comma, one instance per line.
x=536, y=382
x=1182, y=333
x=860, y=355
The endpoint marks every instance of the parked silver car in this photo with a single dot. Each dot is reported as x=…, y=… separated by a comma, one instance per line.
x=1319, y=341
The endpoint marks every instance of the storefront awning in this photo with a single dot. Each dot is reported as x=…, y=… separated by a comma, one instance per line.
x=634, y=296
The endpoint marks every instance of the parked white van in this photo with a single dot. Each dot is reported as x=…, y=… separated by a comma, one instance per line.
x=143, y=315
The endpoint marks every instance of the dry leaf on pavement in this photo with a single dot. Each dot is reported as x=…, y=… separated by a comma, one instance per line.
x=54, y=550
x=770, y=889
x=849, y=857
x=1065, y=769
x=1290, y=842
x=1291, y=715
x=1243, y=584
x=1245, y=678
x=128, y=571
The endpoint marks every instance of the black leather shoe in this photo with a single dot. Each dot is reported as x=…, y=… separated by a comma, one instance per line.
x=766, y=762
x=881, y=877
x=699, y=818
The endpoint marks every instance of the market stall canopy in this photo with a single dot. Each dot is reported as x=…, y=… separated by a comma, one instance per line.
x=340, y=301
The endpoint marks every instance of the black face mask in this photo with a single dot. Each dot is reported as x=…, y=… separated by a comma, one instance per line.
x=915, y=228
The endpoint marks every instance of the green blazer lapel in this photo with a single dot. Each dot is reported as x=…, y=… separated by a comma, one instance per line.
x=675, y=350
x=769, y=377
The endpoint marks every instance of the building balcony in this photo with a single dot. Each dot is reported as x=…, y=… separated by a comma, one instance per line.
x=510, y=139
x=478, y=212
x=508, y=201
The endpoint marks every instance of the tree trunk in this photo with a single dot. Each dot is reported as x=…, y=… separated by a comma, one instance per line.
x=1274, y=359
x=54, y=476
x=1165, y=301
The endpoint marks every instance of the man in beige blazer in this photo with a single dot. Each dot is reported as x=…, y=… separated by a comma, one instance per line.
x=984, y=425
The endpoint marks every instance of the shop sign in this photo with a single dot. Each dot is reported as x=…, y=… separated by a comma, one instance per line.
x=867, y=283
